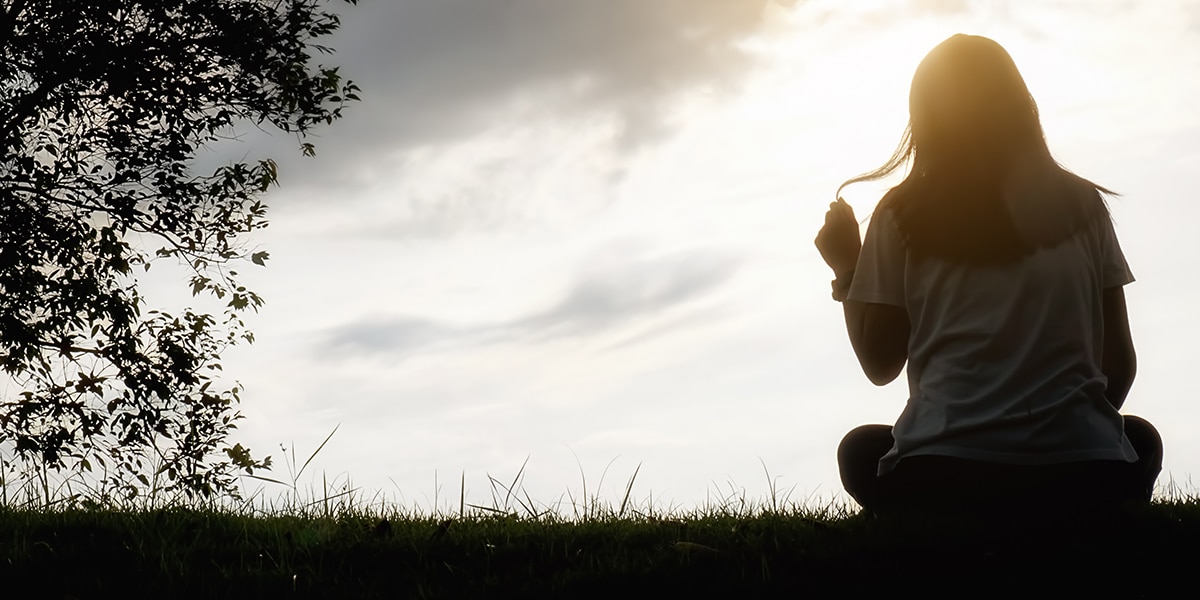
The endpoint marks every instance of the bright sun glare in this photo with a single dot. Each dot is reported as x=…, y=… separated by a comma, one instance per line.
x=847, y=84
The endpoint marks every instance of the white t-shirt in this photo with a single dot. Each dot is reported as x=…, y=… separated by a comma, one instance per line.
x=1003, y=362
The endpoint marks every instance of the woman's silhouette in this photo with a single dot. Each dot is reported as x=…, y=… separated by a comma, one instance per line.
x=996, y=275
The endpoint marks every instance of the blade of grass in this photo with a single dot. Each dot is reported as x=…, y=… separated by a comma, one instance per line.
x=325, y=500
x=628, y=491
x=514, y=483
x=600, y=484
x=267, y=479
x=770, y=485
x=315, y=452
x=486, y=509
x=493, y=482
x=582, y=477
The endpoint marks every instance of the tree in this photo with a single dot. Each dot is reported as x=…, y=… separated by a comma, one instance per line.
x=103, y=106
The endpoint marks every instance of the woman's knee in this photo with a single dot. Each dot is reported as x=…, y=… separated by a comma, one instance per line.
x=1144, y=438
x=872, y=441
x=1137, y=423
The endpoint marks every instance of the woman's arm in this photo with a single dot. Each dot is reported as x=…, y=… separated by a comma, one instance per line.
x=1119, y=361
x=878, y=332
x=879, y=336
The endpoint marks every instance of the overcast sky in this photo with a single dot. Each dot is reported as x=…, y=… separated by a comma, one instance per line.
x=580, y=232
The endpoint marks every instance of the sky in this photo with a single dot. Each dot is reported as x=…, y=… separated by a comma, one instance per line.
x=568, y=242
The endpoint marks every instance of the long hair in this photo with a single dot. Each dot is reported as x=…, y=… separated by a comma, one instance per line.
x=983, y=186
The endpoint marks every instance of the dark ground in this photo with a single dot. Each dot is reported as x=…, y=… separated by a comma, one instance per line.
x=1150, y=553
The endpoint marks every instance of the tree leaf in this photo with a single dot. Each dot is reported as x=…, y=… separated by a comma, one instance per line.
x=100, y=125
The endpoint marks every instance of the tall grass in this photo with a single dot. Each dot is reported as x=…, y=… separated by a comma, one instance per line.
x=265, y=496
x=62, y=538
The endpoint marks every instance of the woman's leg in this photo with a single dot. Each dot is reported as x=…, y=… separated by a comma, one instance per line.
x=925, y=480
x=858, y=461
x=1149, y=446
x=1102, y=483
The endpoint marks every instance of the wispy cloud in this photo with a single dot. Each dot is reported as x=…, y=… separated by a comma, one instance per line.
x=608, y=299
x=392, y=335
x=646, y=289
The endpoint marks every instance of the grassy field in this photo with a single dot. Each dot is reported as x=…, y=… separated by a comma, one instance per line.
x=65, y=542
x=320, y=551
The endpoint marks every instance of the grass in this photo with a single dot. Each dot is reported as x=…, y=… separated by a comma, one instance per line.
x=340, y=543
x=180, y=552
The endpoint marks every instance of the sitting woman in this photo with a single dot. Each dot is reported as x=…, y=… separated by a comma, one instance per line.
x=996, y=275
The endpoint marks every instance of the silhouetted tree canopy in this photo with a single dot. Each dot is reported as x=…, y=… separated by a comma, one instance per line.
x=103, y=106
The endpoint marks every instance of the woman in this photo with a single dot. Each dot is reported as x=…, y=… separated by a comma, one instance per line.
x=996, y=275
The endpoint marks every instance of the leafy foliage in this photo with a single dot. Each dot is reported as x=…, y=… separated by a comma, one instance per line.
x=103, y=106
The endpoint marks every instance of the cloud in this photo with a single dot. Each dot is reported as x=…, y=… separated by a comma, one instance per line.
x=885, y=13
x=503, y=183
x=941, y=6
x=612, y=297
x=397, y=336
x=606, y=299
x=433, y=71
x=437, y=66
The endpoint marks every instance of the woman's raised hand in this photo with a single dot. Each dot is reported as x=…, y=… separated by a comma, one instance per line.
x=839, y=241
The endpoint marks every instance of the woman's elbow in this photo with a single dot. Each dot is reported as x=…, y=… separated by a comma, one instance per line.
x=882, y=344
x=882, y=373
x=882, y=379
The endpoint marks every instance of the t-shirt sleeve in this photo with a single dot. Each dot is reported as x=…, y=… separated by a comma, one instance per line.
x=1114, y=270
x=879, y=276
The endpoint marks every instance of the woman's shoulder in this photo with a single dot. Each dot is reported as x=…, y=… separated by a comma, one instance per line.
x=886, y=211
x=890, y=200
x=1048, y=203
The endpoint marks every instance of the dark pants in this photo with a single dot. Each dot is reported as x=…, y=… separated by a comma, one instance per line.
x=940, y=483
